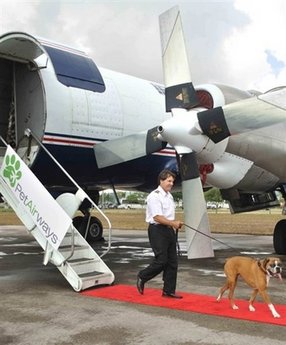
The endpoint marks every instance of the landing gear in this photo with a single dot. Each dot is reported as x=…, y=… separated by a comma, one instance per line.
x=89, y=227
x=279, y=237
x=94, y=230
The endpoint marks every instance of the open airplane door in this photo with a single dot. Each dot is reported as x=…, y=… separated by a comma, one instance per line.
x=22, y=96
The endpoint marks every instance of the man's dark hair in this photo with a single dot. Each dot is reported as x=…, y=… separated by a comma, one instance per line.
x=164, y=174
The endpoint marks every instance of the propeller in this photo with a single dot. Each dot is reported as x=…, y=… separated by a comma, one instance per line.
x=181, y=98
x=192, y=130
x=127, y=148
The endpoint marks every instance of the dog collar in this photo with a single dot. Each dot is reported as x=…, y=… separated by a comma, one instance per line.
x=262, y=268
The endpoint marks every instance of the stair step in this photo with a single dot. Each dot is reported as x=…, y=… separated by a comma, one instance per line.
x=76, y=247
x=85, y=266
x=80, y=260
x=98, y=278
x=80, y=251
x=90, y=274
x=69, y=233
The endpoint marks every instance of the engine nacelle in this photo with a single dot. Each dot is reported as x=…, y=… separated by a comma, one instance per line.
x=245, y=202
x=217, y=95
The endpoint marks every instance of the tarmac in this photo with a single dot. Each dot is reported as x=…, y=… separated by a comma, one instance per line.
x=39, y=307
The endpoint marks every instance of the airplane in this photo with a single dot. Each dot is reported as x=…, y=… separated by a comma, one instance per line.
x=112, y=130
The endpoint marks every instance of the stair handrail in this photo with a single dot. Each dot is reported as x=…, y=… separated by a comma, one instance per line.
x=72, y=248
x=28, y=133
x=3, y=141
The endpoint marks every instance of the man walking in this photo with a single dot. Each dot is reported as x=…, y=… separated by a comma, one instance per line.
x=160, y=214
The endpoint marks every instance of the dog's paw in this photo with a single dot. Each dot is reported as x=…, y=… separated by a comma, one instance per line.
x=251, y=308
x=273, y=310
x=218, y=298
x=235, y=307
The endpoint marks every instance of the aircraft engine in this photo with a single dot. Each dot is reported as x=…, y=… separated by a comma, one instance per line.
x=218, y=95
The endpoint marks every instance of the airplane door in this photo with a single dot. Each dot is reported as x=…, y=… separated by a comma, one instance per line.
x=25, y=103
x=30, y=109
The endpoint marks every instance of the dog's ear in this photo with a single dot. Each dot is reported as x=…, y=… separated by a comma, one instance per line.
x=265, y=262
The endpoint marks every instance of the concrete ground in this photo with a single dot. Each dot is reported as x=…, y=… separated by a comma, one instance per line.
x=39, y=307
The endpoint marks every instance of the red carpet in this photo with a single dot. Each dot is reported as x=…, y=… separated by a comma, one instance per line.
x=191, y=302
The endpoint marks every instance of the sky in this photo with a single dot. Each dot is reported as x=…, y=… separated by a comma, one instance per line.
x=235, y=42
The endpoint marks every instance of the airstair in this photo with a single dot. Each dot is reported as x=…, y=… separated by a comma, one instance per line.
x=49, y=221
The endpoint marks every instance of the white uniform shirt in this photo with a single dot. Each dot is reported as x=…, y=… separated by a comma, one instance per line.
x=160, y=203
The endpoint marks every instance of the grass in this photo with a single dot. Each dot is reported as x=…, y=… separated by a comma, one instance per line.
x=262, y=222
x=257, y=223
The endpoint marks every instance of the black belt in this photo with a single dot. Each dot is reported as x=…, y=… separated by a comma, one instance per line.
x=166, y=226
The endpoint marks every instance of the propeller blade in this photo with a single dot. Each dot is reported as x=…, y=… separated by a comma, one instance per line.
x=130, y=147
x=243, y=116
x=199, y=244
x=180, y=96
x=179, y=92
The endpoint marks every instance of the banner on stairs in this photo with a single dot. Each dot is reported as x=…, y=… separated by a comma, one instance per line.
x=34, y=199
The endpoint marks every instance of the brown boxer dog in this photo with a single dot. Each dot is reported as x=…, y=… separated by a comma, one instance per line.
x=256, y=274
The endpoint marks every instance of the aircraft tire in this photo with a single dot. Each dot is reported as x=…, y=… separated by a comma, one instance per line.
x=77, y=222
x=279, y=237
x=95, y=230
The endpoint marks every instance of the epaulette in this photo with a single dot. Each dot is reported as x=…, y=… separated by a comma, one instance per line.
x=156, y=191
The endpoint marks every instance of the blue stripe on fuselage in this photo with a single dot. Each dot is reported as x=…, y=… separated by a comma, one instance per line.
x=80, y=163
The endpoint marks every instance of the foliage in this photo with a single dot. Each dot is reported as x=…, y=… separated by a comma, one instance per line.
x=177, y=196
x=139, y=197
x=213, y=195
x=136, y=198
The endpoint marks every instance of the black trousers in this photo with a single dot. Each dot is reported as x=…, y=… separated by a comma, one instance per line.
x=163, y=243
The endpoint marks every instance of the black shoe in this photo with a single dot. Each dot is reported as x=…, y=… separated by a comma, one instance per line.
x=140, y=285
x=171, y=295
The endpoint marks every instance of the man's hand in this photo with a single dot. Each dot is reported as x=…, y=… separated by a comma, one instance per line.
x=177, y=224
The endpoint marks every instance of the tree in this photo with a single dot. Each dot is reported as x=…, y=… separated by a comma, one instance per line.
x=136, y=198
x=213, y=195
x=177, y=196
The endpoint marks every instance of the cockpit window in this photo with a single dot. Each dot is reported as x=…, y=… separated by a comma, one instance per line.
x=76, y=70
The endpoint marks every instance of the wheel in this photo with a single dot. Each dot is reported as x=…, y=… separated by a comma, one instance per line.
x=279, y=237
x=95, y=230
x=77, y=222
